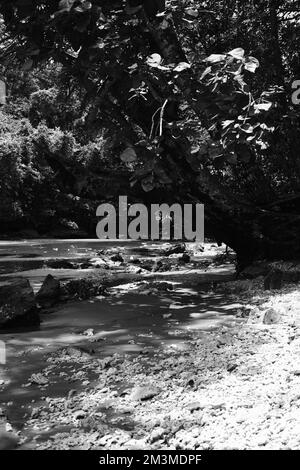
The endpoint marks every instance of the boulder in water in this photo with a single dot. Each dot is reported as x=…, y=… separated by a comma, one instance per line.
x=83, y=288
x=175, y=249
x=144, y=264
x=49, y=293
x=162, y=265
x=17, y=304
x=8, y=440
x=185, y=258
x=117, y=258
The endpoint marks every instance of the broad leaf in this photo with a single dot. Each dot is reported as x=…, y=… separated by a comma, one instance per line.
x=27, y=65
x=215, y=58
x=263, y=106
x=252, y=64
x=129, y=155
x=154, y=60
x=237, y=53
x=182, y=66
x=192, y=12
x=66, y=5
x=148, y=184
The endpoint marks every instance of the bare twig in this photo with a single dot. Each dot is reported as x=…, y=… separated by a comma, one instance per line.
x=161, y=117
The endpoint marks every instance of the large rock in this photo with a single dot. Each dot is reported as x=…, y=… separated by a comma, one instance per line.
x=117, y=258
x=144, y=264
x=162, y=265
x=62, y=264
x=271, y=316
x=83, y=289
x=8, y=440
x=17, y=304
x=273, y=280
x=185, y=258
x=175, y=249
x=143, y=393
x=49, y=293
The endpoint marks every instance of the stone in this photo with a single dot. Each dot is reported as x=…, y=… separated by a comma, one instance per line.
x=87, y=265
x=231, y=367
x=167, y=315
x=89, y=332
x=49, y=293
x=79, y=414
x=105, y=363
x=162, y=265
x=143, y=393
x=135, y=444
x=191, y=381
x=271, y=316
x=147, y=265
x=273, y=280
x=175, y=249
x=157, y=266
x=156, y=435
x=73, y=354
x=117, y=258
x=254, y=270
x=185, y=258
x=135, y=269
x=83, y=288
x=39, y=379
x=17, y=304
x=8, y=440
x=194, y=406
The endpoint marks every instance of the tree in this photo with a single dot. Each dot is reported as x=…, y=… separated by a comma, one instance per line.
x=53, y=173
x=175, y=83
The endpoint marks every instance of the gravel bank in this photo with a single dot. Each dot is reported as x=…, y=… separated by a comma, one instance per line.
x=231, y=388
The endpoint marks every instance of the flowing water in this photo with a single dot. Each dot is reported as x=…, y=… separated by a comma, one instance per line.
x=125, y=321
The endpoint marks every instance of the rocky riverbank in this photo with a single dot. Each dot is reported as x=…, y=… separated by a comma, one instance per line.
x=236, y=387
x=175, y=378
x=65, y=279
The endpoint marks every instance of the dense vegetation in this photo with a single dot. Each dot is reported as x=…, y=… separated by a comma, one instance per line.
x=53, y=173
x=191, y=98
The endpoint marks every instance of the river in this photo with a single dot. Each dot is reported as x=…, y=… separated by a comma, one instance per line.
x=126, y=321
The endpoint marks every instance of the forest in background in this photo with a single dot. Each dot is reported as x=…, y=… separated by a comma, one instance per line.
x=185, y=100
x=53, y=173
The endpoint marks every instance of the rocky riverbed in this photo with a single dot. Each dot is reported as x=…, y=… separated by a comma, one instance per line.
x=214, y=366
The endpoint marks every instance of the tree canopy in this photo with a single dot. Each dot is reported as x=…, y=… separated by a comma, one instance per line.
x=195, y=95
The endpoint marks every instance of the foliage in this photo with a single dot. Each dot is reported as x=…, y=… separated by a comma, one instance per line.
x=44, y=152
x=195, y=96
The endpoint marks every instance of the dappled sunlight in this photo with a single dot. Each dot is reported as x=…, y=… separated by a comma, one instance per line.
x=123, y=323
x=160, y=311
